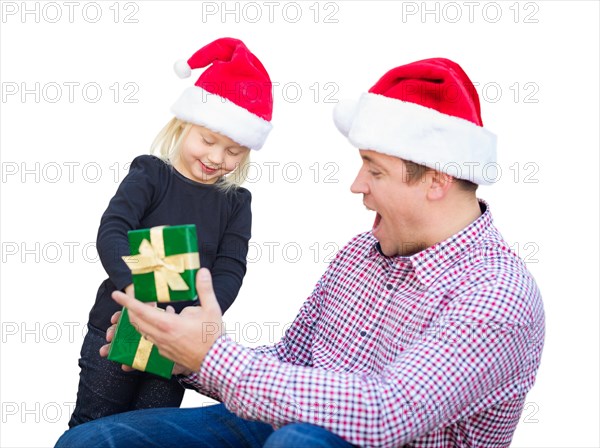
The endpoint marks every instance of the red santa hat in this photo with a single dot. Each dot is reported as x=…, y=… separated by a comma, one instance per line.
x=427, y=112
x=232, y=97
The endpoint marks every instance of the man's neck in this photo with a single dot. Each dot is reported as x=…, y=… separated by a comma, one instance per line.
x=450, y=218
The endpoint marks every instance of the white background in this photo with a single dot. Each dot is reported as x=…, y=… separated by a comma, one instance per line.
x=545, y=203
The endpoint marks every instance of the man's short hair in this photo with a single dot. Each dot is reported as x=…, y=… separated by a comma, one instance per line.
x=415, y=172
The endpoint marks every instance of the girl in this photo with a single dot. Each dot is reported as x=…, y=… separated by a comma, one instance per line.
x=204, y=151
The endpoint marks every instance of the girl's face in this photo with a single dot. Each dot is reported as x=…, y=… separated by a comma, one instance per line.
x=205, y=155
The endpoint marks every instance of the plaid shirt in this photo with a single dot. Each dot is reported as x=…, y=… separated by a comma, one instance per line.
x=436, y=349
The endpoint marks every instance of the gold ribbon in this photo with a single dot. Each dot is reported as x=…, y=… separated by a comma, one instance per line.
x=142, y=354
x=166, y=269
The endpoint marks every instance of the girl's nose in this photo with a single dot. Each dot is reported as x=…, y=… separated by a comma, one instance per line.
x=216, y=155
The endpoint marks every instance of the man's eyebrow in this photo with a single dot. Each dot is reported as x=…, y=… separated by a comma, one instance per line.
x=369, y=159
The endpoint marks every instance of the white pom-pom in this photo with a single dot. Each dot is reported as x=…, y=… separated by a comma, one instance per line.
x=182, y=69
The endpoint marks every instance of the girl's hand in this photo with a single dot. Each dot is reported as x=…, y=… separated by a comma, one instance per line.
x=110, y=333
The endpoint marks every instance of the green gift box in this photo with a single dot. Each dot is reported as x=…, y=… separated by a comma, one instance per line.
x=164, y=261
x=129, y=347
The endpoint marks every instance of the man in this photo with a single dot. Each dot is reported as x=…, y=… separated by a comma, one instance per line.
x=426, y=331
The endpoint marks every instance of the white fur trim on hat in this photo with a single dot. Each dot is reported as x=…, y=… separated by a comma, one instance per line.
x=200, y=107
x=419, y=134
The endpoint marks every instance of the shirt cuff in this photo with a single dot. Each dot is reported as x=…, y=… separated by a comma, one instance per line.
x=222, y=368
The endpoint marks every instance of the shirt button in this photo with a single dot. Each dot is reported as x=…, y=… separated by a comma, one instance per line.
x=363, y=333
x=389, y=286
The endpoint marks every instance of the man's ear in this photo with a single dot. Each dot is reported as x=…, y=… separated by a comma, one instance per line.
x=439, y=184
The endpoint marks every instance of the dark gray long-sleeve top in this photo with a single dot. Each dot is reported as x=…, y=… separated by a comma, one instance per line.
x=154, y=194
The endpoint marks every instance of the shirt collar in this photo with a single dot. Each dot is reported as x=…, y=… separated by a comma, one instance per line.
x=431, y=262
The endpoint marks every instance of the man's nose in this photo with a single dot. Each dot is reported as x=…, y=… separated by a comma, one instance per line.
x=359, y=186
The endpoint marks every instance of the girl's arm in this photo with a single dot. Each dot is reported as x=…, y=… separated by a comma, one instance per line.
x=229, y=267
x=135, y=195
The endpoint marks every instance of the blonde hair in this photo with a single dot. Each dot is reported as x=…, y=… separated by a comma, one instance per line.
x=167, y=146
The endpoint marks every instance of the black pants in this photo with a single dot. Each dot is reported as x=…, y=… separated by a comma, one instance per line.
x=105, y=389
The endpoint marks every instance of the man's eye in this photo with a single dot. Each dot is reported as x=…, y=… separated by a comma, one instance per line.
x=374, y=173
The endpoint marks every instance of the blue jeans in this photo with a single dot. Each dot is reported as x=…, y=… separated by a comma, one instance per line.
x=105, y=389
x=206, y=427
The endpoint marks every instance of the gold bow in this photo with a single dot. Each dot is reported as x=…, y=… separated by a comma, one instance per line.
x=166, y=269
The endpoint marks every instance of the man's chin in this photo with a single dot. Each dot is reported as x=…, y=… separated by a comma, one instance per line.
x=387, y=249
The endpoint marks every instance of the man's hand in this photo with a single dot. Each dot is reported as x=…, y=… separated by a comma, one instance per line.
x=184, y=338
x=110, y=334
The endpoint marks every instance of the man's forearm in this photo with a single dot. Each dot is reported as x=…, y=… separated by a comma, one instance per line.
x=402, y=403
